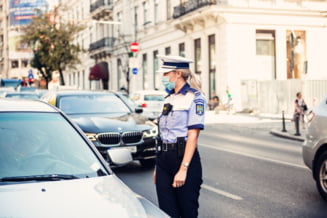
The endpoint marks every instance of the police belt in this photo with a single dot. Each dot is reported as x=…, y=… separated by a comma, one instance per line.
x=169, y=146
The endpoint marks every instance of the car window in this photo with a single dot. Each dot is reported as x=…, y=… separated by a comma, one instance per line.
x=154, y=97
x=128, y=101
x=43, y=143
x=92, y=104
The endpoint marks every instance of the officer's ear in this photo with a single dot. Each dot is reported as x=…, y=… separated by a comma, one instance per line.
x=179, y=73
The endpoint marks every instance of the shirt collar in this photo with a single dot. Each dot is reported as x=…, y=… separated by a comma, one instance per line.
x=183, y=90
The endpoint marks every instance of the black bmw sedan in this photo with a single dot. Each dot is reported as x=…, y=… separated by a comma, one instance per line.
x=109, y=122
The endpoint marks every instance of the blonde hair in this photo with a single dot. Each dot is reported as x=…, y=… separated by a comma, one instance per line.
x=190, y=78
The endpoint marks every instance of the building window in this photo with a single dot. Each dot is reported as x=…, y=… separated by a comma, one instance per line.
x=145, y=72
x=296, y=54
x=197, y=55
x=212, y=66
x=167, y=51
x=135, y=19
x=145, y=13
x=14, y=64
x=156, y=11
x=156, y=77
x=181, y=49
x=265, y=54
x=24, y=63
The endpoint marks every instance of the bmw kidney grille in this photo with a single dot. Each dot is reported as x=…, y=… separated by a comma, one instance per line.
x=112, y=138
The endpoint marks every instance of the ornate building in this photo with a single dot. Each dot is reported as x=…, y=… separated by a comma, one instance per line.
x=234, y=43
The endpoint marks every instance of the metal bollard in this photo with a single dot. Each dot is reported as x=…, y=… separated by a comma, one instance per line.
x=297, y=125
x=283, y=121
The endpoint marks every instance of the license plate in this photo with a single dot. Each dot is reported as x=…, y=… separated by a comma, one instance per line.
x=132, y=149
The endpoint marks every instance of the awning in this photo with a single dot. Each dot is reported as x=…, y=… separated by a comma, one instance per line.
x=99, y=71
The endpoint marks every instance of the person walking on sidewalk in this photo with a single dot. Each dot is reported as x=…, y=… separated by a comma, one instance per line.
x=299, y=112
x=178, y=170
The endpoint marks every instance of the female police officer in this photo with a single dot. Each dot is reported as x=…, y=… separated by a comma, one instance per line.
x=178, y=172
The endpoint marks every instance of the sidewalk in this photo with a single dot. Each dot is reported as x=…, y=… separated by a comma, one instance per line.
x=288, y=135
x=274, y=121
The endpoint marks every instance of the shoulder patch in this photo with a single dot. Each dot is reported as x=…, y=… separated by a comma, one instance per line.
x=199, y=108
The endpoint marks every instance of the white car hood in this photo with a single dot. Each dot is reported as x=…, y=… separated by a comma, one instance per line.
x=91, y=197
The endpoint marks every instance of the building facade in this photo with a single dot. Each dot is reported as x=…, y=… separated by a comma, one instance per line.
x=232, y=42
x=3, y=39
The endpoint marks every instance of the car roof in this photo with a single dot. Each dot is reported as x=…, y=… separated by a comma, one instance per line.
x=81, y=92
x=25, y=105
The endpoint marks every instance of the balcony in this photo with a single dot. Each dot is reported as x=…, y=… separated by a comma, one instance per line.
x=102, y=47
x=102, y=10
x=191, y=5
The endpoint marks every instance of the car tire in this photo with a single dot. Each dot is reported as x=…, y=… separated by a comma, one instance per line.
x=148, y=163
x=321, y=175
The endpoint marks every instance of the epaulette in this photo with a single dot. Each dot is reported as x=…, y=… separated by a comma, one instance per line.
x=195, y=91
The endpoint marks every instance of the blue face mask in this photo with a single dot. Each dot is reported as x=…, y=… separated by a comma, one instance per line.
x=167, y=84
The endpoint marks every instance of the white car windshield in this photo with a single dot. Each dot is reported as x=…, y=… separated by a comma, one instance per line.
x=88, y=104
x=36, y=144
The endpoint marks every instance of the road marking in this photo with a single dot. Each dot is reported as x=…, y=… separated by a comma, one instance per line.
x=255, y=156
x=221, y=192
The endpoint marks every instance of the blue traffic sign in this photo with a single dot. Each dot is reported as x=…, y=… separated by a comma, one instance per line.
x=134, y=70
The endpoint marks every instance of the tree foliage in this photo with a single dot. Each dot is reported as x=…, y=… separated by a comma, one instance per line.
x=52, y=44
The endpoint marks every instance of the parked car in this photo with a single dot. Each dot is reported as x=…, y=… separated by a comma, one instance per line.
x=109, y=122
x=315, y=146
x=50, y=169
x=6, y=89
x=151, y=101
x=20, y=95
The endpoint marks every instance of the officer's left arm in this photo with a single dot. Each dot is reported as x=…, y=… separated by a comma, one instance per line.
x=195, y=124
x=192, y=138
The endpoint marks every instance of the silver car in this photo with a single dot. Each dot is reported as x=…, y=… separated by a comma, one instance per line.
x=314, y=148
x=49, y=168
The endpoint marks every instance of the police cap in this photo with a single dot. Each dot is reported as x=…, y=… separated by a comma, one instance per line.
x=171, y=63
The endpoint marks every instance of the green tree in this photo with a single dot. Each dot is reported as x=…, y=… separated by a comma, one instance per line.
x=52, y=44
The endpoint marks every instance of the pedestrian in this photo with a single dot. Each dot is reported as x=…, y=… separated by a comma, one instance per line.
x=300, y=110
x=178, y=170
x=54, y=83
x=214, y=102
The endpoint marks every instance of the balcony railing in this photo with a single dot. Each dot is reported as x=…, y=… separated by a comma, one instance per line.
x=191, y=5
x=100, y=3
x=107, y=42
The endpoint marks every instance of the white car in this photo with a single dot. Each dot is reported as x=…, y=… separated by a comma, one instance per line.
x=314, y=150
x=49, y=168
x=151, y=101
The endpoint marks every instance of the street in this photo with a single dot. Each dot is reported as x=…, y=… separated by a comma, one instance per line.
x=247, y=172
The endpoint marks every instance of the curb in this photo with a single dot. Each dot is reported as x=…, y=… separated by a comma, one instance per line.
x=286, y=135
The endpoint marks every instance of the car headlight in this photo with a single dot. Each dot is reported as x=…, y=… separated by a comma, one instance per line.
x=153, y=132
x=151, y=210
x=91, y=136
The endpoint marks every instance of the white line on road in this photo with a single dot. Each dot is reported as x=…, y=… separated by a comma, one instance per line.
x=221, y=192
x=255, y=156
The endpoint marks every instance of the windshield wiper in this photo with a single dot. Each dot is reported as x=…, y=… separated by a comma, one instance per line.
x=49, y=177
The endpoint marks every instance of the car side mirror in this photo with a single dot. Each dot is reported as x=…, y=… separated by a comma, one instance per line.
x=138, y=110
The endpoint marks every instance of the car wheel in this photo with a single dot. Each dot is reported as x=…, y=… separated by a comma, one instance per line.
x=148, y=163
x=321, y=175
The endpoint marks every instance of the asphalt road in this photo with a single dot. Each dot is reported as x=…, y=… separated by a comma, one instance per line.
x=247, y=173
